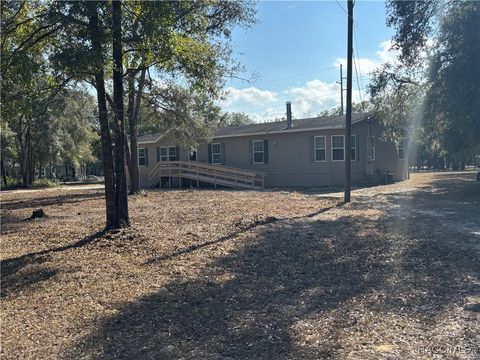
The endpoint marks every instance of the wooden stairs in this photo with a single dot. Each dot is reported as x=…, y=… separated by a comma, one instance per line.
x=208, y=173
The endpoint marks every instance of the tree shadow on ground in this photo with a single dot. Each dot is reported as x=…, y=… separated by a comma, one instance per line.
x=243, y=228
x=245, y=304
x=66, y=198
x=14, y=276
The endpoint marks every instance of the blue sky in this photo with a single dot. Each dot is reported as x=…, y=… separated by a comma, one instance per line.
x=295, y=51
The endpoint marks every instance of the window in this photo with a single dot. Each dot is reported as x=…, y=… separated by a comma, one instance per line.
x=258, y=152
x=320, y=148
x=216, y=153
x=163, y=154
x=338, y=148
x=371, y=148
x=172, y=153
x=353, y=148
x=168, y=153
x=141, y=157
x=402, y=149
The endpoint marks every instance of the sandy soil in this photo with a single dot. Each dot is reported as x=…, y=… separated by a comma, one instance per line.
x=239, y=274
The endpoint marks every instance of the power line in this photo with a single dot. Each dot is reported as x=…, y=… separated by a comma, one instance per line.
x=359, y=70
x=358, y=83
x=345, y=11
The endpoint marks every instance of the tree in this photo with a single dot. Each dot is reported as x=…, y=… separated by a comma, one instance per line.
x=27, y=85
x=82, y=41
x=360, y=107
x=121, y=201
x=184, y=40
x=432, y=92
x=235, y=119
x=191, y=116
x=452, y=104
x=97, y=36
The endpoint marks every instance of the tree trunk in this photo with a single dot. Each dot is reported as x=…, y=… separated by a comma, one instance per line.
x=109, y=174
x=4, y=173
x=26, y=168
x=121, y=176
x=134, y=103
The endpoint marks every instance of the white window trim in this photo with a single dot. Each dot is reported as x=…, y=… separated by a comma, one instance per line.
x=256, y=151
x=216, y=153
x=331, y=143
x=168, y=153
x=144, y=157
x=404, y=148
x=315, y=148
x=354, y=147
x=371, y=147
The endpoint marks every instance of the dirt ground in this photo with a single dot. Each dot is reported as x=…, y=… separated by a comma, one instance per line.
x=395, y=274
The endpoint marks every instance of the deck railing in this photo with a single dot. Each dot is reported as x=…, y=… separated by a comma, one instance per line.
x=214, y=174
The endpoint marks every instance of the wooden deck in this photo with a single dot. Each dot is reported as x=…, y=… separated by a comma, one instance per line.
x=208, y=173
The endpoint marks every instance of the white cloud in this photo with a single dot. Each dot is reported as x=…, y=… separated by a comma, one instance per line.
x=247, y=96
x=314, y=96
x=308, y=99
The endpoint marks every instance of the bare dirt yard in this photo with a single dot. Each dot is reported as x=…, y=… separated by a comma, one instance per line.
x=241, y=274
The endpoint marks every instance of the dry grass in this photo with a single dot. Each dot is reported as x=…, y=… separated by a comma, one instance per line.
x=235, y=274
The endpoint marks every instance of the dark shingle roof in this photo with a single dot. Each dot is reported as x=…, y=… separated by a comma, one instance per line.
x=317, y=123
x=149, y=138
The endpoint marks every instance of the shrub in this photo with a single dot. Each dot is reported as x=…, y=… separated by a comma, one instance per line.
x=45, y=183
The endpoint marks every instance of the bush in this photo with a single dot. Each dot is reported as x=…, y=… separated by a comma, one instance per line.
x=12, y=182
x=45, y=183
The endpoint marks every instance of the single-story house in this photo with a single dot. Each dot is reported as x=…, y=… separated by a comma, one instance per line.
x=290, y=153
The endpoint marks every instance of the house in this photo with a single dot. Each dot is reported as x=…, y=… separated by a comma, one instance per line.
x=291, y=153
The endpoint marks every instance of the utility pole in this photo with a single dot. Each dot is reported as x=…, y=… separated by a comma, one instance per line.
x=341, y=89
x=348, y=118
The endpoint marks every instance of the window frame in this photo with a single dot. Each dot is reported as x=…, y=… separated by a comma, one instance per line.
x=370, y=147
x=219, y=153
x=167, y=155
x=258, y=152
x=144, y=157
x=337, y=148
x=353, y=140
x=315, y=148
x=402, y=146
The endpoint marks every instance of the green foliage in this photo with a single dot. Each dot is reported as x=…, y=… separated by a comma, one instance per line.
x=234, y=119
x=12, y=183
x=433, y=93
x=452, y=104
x=190, y=115
x=360, y=107
x=412, y=21
x=43, y=183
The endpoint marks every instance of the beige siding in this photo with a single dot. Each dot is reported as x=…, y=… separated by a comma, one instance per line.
x=386, y=158
x=290, y=159
x=152, y=158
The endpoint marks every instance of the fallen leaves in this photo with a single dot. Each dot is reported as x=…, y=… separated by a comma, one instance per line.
x=241, y=274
